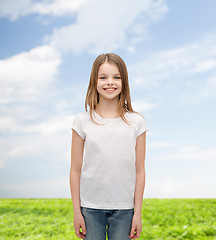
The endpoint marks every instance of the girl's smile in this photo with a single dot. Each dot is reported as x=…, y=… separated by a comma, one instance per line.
x=110, y=89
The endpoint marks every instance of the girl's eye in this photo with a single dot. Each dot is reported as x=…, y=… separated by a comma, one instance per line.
x=105, y=77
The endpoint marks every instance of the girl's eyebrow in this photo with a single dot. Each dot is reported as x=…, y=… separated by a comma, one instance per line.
x=105, y=74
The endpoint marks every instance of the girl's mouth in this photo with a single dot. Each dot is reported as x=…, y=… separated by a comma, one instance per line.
x=110, y=89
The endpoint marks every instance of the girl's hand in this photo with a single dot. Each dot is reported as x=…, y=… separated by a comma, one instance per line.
x=79, y=223
x=136, y=227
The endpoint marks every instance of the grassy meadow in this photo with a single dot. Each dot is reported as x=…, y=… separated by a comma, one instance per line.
x=161, y=219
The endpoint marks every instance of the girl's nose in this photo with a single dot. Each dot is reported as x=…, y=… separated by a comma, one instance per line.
x=110, y=80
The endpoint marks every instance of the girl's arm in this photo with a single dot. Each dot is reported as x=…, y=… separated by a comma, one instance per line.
x=136, y=227
x=77, y=148
x=140, y=172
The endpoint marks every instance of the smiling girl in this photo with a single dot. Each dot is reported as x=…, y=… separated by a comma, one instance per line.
x=107, y=175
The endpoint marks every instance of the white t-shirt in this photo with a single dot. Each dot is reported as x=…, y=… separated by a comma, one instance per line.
x=108, y=174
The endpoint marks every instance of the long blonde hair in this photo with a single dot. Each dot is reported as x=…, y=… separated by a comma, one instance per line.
x=92, y=96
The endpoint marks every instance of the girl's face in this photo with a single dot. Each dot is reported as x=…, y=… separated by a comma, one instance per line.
x=109, y=84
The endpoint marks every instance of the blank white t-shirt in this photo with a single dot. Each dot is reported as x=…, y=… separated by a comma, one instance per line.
x=108, y=174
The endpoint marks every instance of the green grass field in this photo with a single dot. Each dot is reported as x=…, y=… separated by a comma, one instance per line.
x=161, y=219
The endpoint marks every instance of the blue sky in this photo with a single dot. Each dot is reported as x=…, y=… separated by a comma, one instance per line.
x=47, y=49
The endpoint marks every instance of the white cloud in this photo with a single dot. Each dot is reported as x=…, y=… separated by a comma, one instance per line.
x=194, y=187
x=180, y=76
x=104, y=25
x=167, y=65
x=101, y=25
x=142, y=105
x=163, y=144
x=16, y=9
x=188, y=153
x=56, y=7
x=50, y=136
x=50, y=126
x=26, y=75
x=37, y=189
x=209, y=89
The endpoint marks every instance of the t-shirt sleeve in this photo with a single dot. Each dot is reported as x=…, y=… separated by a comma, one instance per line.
x=77, y=126
x=141, y=126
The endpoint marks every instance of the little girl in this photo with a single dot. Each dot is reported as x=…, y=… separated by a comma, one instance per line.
x=107, y=175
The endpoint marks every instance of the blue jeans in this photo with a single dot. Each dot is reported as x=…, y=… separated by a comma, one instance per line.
x=116, y=223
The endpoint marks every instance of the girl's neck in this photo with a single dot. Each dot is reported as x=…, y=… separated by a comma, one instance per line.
x=107, y=112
